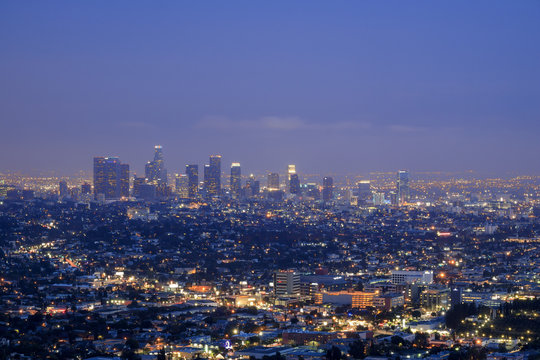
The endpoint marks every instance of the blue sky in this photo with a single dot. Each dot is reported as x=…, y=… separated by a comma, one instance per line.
x=333, y=86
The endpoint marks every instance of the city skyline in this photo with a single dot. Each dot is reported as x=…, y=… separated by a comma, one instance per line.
x=351, y=88
x=141, y=169
x=244, y=180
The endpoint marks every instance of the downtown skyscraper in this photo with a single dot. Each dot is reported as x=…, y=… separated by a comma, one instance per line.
x=236, y=180
x=294, y=184
x=328, y=188
x=181, y=186
x=155, y=171
x=253, y=186
x=111, y=178
x=212, y=177
x=293, y=181
x=403, y=189
x=364, y=192
x=192, y=172
x=273, y=181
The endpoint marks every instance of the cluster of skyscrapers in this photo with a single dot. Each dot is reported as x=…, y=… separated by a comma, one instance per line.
x=112, y=181
x=364, y=194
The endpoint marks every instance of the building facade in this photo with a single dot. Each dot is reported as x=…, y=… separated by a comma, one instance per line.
x=192, y=172
x=111, y=178
x=286, y=282
x=236, y=180
x=273, y=181
x=328, y=188
x=212, y=176
x=403, y=189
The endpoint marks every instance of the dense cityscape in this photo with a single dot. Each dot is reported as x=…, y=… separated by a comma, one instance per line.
x=269, y=180
x=223, y=265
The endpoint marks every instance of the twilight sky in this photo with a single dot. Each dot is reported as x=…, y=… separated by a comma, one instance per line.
x=332, y=86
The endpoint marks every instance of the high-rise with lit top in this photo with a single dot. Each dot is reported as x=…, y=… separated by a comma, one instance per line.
x=236, y=180
x=212, y=176
x=328, y=188
x=403, y=189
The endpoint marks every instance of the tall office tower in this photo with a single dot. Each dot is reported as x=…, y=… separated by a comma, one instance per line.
x=294, y=184
x=286, y=282
x=110, y=177
x=328, y=188
x=253, y=186
x=403, y=190
x=181, y=182
x=312, y=191
x=364, y=191
x=124, y=180
x=215, y=163
x=192, y=172
x=138, y=183
x=236, y=180
x=207, y=176
x=393, y=198
x=155, y=172
x=273, y=181
x=63, y=189
x=291, y=170
x=212, y=176
x=86, y=189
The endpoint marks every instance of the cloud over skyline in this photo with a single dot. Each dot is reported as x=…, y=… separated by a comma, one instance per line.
x=278, y=123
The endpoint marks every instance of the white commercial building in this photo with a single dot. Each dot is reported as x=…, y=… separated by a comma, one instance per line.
x=402, y=277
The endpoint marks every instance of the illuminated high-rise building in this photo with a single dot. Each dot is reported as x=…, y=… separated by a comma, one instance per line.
x=312, y=191
x=110, y=178
x=403, y=190
x=138, y=183
x=393, y=198
x=192, y=172
x=328, y=188
x=215, y=163
x=364, y=192
x=104, y=182
x=212, y=176
x=253, y=186
x=181, y=185
x=124, y=180
x=291, y=170
x=207, y=181
x=63, y=190
x=286, y=282
x=294, y=184
x=273, y=181
x=155, y=172
x=236, y=180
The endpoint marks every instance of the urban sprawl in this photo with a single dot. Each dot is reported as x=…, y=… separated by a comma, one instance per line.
x=208, y=265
